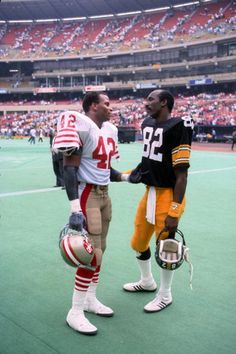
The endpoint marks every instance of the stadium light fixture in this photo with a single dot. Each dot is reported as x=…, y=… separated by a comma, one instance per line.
x=100, y=57
x=47, y=20
x=187, y=4
x=3, y=22
x=20, y=21
x=157, y=9
x=129, y=13
x=74, y=18
x=101, y=16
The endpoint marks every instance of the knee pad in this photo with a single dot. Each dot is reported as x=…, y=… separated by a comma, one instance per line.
x=144, y=256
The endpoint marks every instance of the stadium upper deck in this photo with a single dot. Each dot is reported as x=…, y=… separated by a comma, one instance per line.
x=182, y=47
x=142, y=31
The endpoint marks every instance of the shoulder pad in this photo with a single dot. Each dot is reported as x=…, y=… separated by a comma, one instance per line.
x=111, y=126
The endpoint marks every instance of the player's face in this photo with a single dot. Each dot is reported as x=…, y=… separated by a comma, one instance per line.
x=103, y=109
x=152, y=104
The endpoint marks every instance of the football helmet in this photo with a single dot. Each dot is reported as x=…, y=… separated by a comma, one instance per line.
x=75, y=247
x=170, y=253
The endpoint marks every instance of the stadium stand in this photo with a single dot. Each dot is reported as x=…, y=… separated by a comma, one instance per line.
x=205, y=109
x=119, y=34
x=48, y=64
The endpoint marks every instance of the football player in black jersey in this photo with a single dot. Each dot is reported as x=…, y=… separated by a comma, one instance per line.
x=163, y=169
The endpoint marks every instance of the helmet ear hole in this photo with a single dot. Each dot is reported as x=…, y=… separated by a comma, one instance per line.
x=75, y=247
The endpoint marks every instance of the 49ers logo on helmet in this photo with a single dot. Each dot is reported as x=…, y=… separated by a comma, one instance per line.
x=88, y=247
x=75, y=248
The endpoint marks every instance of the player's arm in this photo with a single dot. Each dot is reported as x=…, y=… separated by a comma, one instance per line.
x=172, y=220
x=132, y=176
x=180, y=161
x=71, y=166
x=117, y=176
x=181, y=174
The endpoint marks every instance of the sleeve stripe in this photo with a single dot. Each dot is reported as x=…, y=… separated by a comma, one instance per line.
x=67, y=141
x=67, y=136
x=181, y=148
x=181, y=155
x=67, y=130
x=180, y=161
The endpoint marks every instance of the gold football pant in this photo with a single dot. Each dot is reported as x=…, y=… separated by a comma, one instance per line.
x=143, y=229
x=96, y=206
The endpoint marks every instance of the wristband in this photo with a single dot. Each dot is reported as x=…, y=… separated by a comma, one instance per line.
x=124, y=177
x=75, y=206
x=175, y=210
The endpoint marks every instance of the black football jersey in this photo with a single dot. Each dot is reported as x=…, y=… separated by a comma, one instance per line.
x=165, y=145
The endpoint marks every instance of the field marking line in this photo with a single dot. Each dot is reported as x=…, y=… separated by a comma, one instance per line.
x=12, y=194
x=213, y=170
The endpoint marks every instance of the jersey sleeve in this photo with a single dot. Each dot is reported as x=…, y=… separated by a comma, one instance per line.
x=182, y=144
x=69, y=126
x=114, y=135
x=116, y=153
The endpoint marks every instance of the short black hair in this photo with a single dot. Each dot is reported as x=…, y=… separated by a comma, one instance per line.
x=89, y=99
x=166, y=95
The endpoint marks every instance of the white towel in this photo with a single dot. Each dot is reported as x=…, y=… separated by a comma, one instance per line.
x=151, y=205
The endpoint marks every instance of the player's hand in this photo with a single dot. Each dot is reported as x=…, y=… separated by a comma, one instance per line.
x=136, y=175
x=171, y=224
x=77, y=221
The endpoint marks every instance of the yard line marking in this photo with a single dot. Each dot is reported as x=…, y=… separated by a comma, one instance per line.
x=12, y=194
x=55, y=189
x=214, y=170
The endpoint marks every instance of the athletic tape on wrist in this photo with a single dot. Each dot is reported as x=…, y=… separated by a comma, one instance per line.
x=75, y=206
x=175, y=210
x=124, y=177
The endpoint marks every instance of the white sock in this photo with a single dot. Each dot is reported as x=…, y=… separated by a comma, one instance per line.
x=165, y=282
x=83, y=279
x=91, y=292
x=146, y=271
x=78, y=300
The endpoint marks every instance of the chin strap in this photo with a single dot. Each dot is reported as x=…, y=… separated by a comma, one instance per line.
x=186, y=258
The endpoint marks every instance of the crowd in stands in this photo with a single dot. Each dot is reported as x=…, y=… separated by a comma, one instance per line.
x=117, y=34
x=205, y=109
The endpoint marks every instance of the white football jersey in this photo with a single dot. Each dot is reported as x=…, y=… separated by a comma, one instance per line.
x=99, y=145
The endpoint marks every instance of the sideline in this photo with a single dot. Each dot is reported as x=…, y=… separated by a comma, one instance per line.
x=56, y=189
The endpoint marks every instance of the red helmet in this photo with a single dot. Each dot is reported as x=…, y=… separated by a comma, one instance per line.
x=75, y=247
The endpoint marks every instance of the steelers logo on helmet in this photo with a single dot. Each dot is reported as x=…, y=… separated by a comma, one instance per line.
x=75, y=247
x=170, y=252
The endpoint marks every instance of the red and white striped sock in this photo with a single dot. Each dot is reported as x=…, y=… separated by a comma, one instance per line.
x=83, y=279
x=91, y=293
x=96, y=274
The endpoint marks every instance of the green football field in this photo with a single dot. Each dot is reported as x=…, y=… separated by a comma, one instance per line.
x=36, y=286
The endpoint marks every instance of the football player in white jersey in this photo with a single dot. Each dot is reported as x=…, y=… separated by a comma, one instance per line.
x=88, y=142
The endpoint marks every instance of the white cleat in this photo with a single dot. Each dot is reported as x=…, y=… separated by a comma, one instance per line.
x=77, y=321
x=140, y=287
x=159, y=303
x=95, y=306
